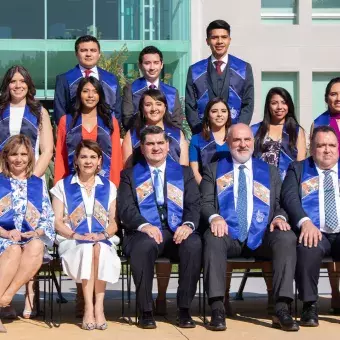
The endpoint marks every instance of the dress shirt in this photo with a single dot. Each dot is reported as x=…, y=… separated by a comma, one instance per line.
x=156, y=83
x=334, y=174
x=94, y=72
x=224, y=59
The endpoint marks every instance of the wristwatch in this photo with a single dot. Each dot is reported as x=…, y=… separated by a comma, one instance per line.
x=106, y=234
x=190, y=225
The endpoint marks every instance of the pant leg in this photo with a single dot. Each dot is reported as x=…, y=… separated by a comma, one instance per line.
x=334, y=239
x=216, y=252
x=308, y=269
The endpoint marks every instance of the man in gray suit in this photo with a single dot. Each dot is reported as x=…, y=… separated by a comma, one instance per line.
x=240, y=202
x=221, y=75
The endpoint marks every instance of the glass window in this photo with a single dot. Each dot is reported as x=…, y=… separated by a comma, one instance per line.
x=69, y=19
x=107, y=19
x=326, y=11
x=279, y=11
x=320, y=81
x=287, y=80
x=22, y=19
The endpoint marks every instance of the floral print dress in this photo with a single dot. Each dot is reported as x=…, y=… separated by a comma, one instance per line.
x=19, y=201
x=271, y=153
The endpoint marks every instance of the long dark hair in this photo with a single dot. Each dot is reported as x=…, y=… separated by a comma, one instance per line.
x=5, y=96
x=206, y=127
x=140, y=120
x=104, y=110
x=291, y=122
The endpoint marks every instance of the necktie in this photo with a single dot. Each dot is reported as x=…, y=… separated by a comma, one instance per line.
x=152, y=87
x=218, y=64
x=157, y=183
x=241, y=206
x=331, y=217
x=87, y=72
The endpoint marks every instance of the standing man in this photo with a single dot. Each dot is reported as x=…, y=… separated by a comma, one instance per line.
x=310, y=195
x=87, y=50
x=241, y=204
x=221, y=75
x=159, y=206
x=150, y=63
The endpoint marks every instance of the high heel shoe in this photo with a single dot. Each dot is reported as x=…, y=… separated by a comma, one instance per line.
x=29, y=313
x=2, y=328
x=102, y=327
x=88, y=326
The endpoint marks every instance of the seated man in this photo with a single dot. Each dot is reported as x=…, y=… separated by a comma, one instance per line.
x=310, y=195
x=240, y=201
x=159, y=206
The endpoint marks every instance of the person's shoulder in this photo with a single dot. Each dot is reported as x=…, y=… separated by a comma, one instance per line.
x=106, y=73
x=127, y=172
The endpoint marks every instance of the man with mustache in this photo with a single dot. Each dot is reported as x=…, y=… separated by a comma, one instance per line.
x=241, y=204
x=221, y=75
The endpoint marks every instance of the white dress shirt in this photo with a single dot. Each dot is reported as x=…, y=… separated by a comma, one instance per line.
x=224, y=59
x=334, y=175
x=156, y=83
x=94, y=72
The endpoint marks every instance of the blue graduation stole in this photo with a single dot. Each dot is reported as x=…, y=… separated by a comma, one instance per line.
x=76, y=208
x=236, y=83
x=323, y=119
x=33, y=208
x=310, y=190
x=29, y=126
x=139, y=86
x=146, y=196
x=74, y=137
x=286, y=156
x=174, y=135
x=107, y=80
x=261, y=199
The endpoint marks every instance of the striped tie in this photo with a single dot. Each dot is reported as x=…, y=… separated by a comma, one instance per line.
x=331, y=217
x=157, y=183
x=241, y=206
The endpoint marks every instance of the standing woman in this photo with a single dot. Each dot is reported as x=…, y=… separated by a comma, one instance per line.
x=86, y=246
x=92, y=119
x=279, y=139
x=210, y=145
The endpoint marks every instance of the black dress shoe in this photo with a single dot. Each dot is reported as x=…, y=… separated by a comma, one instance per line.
x=147, y=321
x=283, y=320
x=309, y=316
x=184, y=320
x=217, y=322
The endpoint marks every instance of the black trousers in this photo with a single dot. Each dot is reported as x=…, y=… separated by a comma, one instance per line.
x=309, y=263
x=143, y=252
x=278, y=246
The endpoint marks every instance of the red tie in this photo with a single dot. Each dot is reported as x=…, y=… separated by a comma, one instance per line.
x=152, y=86
x=87, y=72
x=218, y=64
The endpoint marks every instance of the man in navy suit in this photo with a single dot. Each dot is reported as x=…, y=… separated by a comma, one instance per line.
x=87, y=50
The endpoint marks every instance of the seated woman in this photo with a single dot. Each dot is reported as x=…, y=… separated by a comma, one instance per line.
x=210, y=145
x=27, y=220
x=279, y=139
x=153, y=110
x=87, y=245
x=92, y=119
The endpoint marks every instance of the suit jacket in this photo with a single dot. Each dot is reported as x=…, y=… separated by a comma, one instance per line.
x=63, y=103
x=128, y=110
x=209, y=201
x=191, y=100
x=128, y=208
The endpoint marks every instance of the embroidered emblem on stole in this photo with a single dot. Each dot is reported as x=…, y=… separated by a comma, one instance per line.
x=100, y=214
x=261, y=192
x=224, y=182
x=32, y=215
x=77, y=216
x=309, y=186
x=5, y=204
x=144, y=190
x=175, y=194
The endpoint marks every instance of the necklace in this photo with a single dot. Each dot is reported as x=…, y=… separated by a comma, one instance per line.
x=88, y=187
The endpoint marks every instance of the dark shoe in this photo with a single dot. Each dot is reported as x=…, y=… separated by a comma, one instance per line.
x=147, y=321
x=160, y=307
x=184, y=319
x=270, y=304
x=217, y=322
x=309, y=316
x=283, y=320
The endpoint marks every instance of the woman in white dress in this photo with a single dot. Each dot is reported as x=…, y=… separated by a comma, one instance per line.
x=85, y=211
x=21, y=113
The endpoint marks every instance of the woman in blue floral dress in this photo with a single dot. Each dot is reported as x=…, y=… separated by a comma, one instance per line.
x=26, y=218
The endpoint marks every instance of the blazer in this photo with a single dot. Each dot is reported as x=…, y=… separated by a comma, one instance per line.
x=63, y=103
x=191, y=100
x=128, y=208
x=209, y=201
x=128, y=110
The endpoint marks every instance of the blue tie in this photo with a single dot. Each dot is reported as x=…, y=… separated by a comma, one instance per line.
x=157, y=183
x=241, y=206
x=331, y=217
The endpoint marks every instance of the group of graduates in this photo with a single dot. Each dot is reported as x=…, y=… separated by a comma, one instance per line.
x=229, y=202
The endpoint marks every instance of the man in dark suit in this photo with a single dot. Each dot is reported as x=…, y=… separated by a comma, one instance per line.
x=221, y=75
x=150, y=63
x=240, y=202
x=87, y=50
x=310, y=195
x=159, y=206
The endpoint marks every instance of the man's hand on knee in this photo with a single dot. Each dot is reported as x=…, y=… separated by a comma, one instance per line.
x=153, y=232
x=218, y=226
